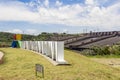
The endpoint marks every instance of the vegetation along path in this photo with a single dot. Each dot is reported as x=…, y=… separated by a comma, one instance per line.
x=19, y=64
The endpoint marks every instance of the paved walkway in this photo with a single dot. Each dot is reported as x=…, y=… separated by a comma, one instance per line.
x=1, y=57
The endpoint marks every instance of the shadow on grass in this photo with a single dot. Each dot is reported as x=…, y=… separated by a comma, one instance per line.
x=64, y=65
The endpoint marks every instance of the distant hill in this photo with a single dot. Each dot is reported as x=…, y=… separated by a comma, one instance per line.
x=8, y=37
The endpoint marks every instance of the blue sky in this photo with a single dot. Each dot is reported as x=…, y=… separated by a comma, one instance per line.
x=71, y=16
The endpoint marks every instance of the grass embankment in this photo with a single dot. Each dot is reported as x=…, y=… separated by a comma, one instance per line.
x=20, y=65
x=104, y=56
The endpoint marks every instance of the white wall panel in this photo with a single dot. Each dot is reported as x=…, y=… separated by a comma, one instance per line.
x=59, y=50
x=52, y=49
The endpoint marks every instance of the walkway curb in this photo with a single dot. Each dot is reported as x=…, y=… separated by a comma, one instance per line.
x=1, y=57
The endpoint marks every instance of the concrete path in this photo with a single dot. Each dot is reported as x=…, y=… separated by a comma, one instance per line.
x=1, y=57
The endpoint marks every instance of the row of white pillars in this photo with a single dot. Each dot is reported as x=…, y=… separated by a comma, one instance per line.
x=52, y=49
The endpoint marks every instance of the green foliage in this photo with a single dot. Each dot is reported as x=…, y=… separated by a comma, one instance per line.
x=107, y=50
x=5, y=44
x=44, y=36
x=7, y=38
x=88, y=52
x=115, y=49
x=26, y=37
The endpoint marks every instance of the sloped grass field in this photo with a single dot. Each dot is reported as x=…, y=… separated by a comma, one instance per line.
x=19, y=64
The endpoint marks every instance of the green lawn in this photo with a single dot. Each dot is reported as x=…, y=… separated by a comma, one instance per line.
x=104, y=56
x=20, y=65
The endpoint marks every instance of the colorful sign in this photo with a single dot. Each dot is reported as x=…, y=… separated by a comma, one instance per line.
x=17, y=41
x=18, y=36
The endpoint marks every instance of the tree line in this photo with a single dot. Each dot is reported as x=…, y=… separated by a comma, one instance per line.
x=6, y=38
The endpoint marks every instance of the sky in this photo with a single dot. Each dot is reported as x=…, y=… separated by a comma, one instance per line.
x=70, y=16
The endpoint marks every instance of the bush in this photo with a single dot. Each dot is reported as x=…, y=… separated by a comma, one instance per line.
x=115, y=50
x=5, y=44
x=100, y=50
x=107, y=50
x=88, y=52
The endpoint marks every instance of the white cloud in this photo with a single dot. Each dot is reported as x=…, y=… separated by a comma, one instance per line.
x=16, y=13
x=17, y=31
x=71, y=15
x=65, y=31
x=91, y=2
x=27, y=31
x=46, y=3
x=31, y=31
x=58, y=3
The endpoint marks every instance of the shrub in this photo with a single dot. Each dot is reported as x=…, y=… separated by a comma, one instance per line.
x=107, y=50
x=115, y=50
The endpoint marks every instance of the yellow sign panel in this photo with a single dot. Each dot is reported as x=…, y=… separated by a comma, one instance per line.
x=18, y=36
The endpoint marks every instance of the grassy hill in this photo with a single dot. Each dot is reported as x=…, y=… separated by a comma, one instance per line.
x=19, y=64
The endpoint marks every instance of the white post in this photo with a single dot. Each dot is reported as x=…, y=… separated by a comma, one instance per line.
x=39, y=46
x=43, y=47
x=49, y=49
x=59, y=51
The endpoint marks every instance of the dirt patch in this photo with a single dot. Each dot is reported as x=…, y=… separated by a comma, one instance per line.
x=114, y=62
